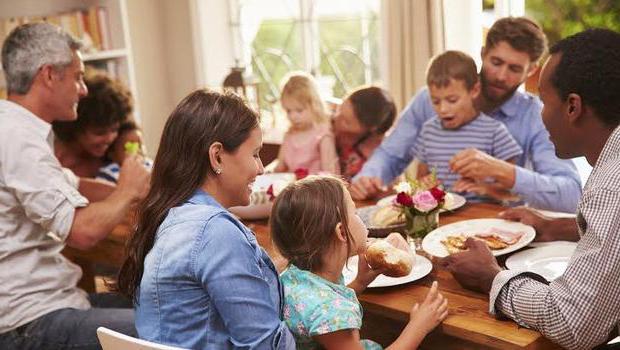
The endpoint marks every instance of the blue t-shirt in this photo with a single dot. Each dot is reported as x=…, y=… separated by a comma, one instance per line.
x=435, y=145
x=315, y=306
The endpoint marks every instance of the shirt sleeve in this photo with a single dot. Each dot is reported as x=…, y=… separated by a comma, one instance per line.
x=418, y=151
x=227, y=263
x=546, y=182
x=395, y=152
x=505, y=147
x=46, y=192
x=579, y=309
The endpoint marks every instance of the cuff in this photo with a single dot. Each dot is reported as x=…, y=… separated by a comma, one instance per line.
x=523, y=180
x=500, y=280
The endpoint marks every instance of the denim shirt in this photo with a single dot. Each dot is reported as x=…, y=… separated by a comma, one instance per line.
x=542, y=180
x=208, y=285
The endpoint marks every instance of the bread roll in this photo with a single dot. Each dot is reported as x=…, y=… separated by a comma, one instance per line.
x=387, y=216
x=382, y=255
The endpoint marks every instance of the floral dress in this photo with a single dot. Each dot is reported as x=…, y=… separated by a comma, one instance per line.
x=315, y=306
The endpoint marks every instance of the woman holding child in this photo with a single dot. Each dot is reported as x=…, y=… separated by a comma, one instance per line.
x=359, y=125
x=81, y=145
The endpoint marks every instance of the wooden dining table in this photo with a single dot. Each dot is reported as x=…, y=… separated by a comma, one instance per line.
x=386, y=310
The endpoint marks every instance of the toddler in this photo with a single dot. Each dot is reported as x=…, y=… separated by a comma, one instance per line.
x=128, y=141
x=308, y=143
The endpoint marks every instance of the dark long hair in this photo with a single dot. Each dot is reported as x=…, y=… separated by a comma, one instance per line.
x=182, y=166
x=375, y=109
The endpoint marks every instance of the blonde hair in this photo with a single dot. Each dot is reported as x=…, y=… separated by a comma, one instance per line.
x=302, y=87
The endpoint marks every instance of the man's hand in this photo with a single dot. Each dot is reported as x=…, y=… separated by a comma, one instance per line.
x=134, y=179
x=474, y=268
x=366, y=187
x=547, y=229
x=492, y=190
x=477, y=165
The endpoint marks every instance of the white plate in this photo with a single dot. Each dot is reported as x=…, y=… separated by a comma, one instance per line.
x=548, y=244
x=556, y=214
x=432, y=242
x=262, y=183
x=453, y=201
x=421, y=267
x=549, y=261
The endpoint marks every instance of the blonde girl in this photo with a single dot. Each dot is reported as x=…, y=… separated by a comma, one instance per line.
x=315, y=227
x=308, y=143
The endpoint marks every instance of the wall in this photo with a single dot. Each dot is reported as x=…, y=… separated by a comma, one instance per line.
x=161, y=37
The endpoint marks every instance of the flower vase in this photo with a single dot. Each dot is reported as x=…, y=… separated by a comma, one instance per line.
x=418, y=226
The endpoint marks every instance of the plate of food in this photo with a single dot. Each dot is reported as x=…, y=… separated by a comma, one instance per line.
x=404, y=267
x=453, y=201
x=548, y=261
x=382, y=220
x=502, y=236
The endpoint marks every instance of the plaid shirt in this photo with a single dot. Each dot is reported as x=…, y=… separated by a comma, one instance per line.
x=580, y=309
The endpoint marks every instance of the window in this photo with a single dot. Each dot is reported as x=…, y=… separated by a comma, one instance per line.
x=336, y=41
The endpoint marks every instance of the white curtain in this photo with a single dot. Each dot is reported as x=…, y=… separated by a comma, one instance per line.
x=413, y=32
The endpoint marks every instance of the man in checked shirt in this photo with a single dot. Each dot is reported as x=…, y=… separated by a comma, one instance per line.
x=580, y=87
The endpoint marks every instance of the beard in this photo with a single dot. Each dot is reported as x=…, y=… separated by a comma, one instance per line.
x=485, y=83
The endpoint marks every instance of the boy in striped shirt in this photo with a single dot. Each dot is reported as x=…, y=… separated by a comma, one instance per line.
x=453, y=85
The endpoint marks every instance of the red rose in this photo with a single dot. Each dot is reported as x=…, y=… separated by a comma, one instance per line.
x=404, y=199
x=270, y=193
x=438, y=194
x=300, y=173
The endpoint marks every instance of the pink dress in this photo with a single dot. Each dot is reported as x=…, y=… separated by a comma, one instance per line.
x=304, y=153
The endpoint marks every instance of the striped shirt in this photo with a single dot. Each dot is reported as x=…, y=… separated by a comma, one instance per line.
x=436, y=145
x=581, y=308
x=111, y=171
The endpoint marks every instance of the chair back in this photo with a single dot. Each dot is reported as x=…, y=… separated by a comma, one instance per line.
x=111, y=340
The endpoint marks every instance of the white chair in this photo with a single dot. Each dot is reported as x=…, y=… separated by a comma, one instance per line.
x=111, y=340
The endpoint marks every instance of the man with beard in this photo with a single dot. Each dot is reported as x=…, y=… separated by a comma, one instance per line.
x=580, y=86
x=512, y=49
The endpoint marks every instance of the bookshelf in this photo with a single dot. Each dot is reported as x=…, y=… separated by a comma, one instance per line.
x=101, y=24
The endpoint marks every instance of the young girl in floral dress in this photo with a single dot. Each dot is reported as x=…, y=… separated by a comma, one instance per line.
x=315, y=227
x=308, y=143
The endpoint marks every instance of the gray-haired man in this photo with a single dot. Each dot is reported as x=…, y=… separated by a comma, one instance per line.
x=41, y=208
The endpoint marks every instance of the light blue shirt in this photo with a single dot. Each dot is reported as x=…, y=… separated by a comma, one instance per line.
x=542, y=179
x=207, y=284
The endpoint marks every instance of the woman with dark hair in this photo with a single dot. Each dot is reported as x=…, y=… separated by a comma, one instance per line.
x=359, y=126
x=82, y=144
x=196, y=274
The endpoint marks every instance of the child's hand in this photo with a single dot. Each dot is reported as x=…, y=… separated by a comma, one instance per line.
x=429, y=181
x=433, y=310
x=365, y=275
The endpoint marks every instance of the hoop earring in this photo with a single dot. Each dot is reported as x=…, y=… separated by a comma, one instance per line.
x=218, y=171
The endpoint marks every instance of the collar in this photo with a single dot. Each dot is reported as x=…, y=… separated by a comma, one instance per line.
x=511, y=107
x=21, y=114
x=202, y=197
x=610, y=150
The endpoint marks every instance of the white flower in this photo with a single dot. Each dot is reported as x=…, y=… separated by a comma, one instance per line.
x=403, y=187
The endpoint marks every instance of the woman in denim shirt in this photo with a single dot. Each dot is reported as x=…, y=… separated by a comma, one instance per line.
x=196, y=274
